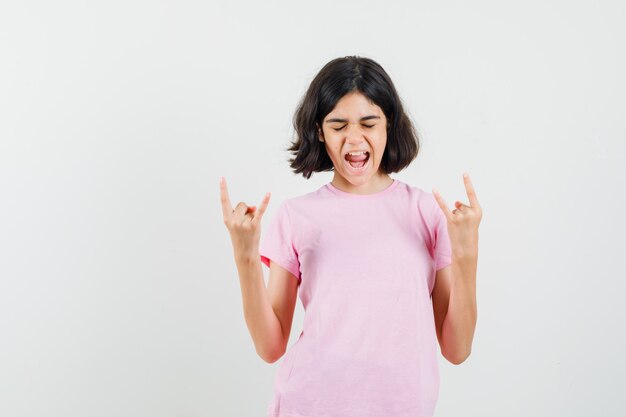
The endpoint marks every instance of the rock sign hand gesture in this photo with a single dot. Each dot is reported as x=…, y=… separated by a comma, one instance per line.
x=463, y=221
x=243, y=223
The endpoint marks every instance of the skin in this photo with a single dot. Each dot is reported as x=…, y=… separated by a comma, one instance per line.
x=353, y=134
x=454, y=293
x=268, y=311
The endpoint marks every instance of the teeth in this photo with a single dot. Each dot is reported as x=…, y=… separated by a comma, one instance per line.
x=357, y=153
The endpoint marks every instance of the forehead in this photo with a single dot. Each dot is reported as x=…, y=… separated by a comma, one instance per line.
x=356, y=105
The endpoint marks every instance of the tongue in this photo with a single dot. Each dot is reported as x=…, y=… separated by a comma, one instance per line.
x=357, y=158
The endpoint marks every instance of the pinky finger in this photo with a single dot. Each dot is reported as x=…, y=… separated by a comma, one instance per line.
x=442, y=204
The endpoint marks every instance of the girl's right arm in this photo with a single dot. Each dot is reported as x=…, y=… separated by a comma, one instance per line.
x=244, y=226
x=269, y=327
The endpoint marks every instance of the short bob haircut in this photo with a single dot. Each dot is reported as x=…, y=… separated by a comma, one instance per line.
x=337, y=78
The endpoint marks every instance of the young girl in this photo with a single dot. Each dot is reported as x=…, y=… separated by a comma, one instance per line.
x=384, y=269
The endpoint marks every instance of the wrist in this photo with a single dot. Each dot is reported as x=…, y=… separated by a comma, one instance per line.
x=246, y=258
x=465, y=256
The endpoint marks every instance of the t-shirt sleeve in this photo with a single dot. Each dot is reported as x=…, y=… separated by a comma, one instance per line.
x=277, y=243
x=441, y=241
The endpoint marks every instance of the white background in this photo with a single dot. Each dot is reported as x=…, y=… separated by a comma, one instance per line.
x=119, y=294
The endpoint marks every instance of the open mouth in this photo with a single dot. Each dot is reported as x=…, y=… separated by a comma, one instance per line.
x=357, y=162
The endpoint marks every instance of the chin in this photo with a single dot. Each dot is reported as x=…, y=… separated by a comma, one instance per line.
x=356, y=181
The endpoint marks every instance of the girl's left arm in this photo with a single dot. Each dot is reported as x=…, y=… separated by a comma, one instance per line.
x=454, y=294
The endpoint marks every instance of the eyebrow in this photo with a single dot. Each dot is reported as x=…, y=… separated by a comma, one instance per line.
x=371, y=116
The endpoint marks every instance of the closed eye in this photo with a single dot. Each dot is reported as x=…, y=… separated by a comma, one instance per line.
x=368, y=126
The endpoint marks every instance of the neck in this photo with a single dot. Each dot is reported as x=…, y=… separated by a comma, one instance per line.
x=375, y=184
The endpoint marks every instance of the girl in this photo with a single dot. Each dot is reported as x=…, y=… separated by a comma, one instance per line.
x=384, y=269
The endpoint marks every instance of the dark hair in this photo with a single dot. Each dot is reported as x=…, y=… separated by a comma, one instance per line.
x=337, y=78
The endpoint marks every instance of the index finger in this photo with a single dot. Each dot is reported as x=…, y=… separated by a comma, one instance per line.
x=471, y=193
x=227, y=208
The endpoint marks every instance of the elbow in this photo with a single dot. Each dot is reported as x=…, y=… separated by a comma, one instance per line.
x=458, y=358
x=271, y=359
x=270, y=356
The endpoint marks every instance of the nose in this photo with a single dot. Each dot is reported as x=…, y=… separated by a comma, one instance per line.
x=354, y=134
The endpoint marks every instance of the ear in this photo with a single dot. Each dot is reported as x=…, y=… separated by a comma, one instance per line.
x=320, y=134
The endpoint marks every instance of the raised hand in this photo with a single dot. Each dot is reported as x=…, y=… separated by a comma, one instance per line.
x=243, y=223
x=463, y=221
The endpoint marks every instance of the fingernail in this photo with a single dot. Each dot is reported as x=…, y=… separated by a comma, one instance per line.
x=221, y=180
x=465, y=175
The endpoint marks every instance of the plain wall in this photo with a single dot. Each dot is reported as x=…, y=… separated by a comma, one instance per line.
x=119, y=294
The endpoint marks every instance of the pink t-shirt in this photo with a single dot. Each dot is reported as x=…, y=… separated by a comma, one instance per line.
x=366, y=267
